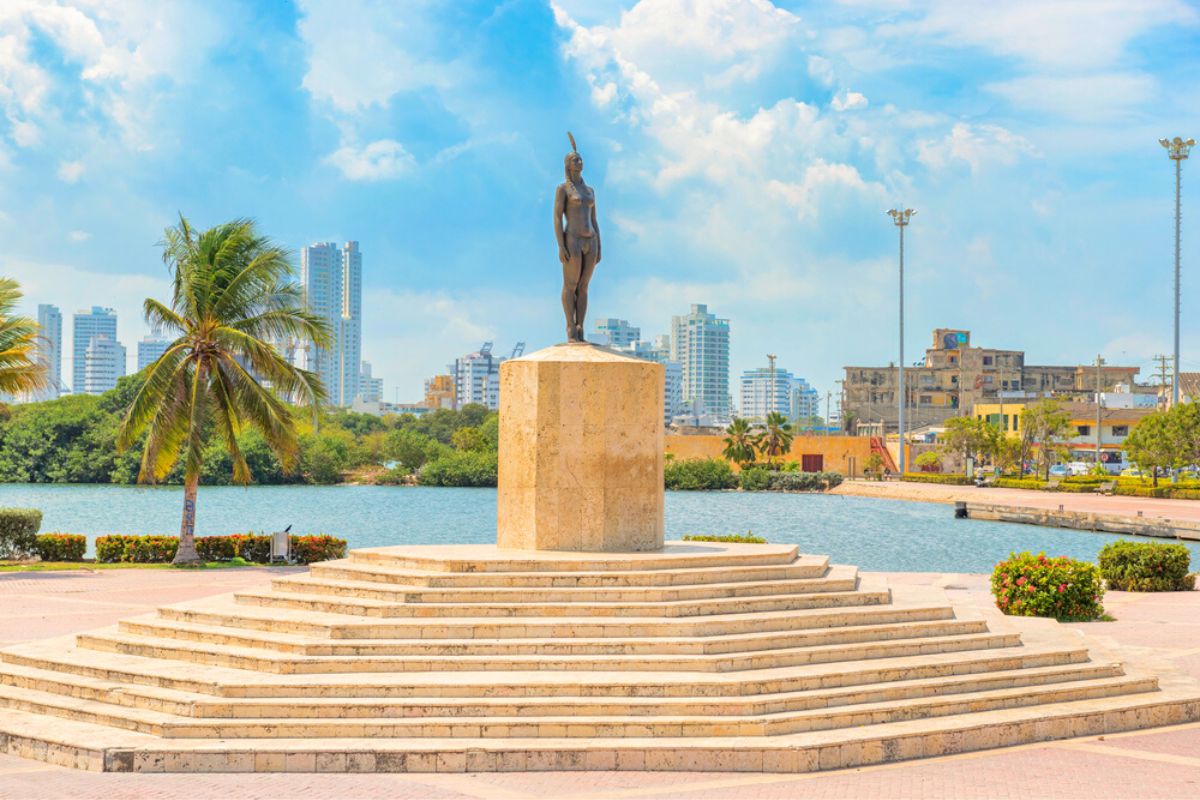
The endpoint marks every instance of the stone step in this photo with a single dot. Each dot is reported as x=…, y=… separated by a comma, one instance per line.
x=346, y=569
x=208, y=652
x=670, y=609
x=469, y=558
x=62, y=656
x=171, y=726
x=85, y=745
x=314, y=621
x=838, y=579
x=191, y=704
x=179, y=627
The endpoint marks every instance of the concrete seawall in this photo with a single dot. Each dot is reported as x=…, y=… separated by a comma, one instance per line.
x=1084, y=520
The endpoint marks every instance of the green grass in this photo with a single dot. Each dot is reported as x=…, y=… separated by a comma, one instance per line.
x=732, y=538
x=60, y=566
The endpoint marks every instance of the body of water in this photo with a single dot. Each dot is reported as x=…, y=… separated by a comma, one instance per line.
x=874, y=534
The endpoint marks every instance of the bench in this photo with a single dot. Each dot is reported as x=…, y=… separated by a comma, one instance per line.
x=1106, y=487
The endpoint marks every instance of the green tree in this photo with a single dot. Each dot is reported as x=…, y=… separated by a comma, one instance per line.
x=469, y=439
x=969, y=437
x=775, y=438
x=1044, y=426
x=19, y=370
x=1154, y=444
x=929, y=458
x=231, y=296
x=409, y=448
x=739, y=442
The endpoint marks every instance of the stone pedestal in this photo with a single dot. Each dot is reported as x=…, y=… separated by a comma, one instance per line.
x=581, y=451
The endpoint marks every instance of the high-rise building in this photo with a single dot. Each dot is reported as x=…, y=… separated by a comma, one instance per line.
x=149, y=350
x=765, y=390
x=439, y=392
x=49, y=349
x=659, y=351
x=805, y=402
x=332, y=283
x=103, y=363
x=88, y=325
x=700, y=343
x=615, y=333
x=370, y=388
x=477, y=378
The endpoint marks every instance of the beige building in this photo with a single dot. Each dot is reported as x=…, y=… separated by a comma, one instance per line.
x=954, y=376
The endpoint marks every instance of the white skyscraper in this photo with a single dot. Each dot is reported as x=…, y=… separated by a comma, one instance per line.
x=332, y=283
x=805, y=401
x=370, y=388
x=659, y=351
x=477, y=378
x=87, y=326
x=700, y=343
x=104, y=362
x=615, y=333
x=760, y=395
x=49, y=349
x=149, y=349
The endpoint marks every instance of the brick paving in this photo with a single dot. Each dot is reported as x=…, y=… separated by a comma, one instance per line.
x=1163, y=763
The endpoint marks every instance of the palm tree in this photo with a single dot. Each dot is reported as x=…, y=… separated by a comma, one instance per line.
x=232, y=295
x=20, y=370
x=775, y=439
x=739, y=444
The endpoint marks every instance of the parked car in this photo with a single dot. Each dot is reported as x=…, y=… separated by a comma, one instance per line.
x=1059, y=471
x=1079, y=468
x=1131, y=472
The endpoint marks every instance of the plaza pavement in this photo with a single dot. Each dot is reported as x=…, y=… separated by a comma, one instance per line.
x=1162, y=763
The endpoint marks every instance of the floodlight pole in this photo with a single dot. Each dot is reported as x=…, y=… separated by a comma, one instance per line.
x=1177, y=150
x=901, y=219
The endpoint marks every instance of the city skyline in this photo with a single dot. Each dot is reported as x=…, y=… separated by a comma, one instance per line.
x=747, y=159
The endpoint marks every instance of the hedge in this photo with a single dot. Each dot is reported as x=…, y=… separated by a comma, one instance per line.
x=18, y=532
x=248, y=546
x=697, y=474
x=937, y=477
x=755, y=479
x=734, y=538
x=1036, y=586
x=460, y=468
x=61, y=546
x=1146, y=567
x=1019, y=483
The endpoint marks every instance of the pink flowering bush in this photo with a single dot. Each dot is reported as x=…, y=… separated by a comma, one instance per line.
x=1026, y=585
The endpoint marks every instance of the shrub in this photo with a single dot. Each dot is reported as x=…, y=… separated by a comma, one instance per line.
x=460, y=468
x=151, y=549
x=734, y=538
x=1036, y=586
x=255, y=547
x=934, y=477
x=310, y=549
x=795, y=482
x=61, y=546
x=755, y=479
x=695, y=474
x=1142, y=491
x=18, y=532
x=1020, y=483
x=111, y=549
x=831, y=479
x=1146, y=567
x=216, y=548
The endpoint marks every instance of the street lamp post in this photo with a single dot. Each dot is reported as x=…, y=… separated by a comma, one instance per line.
x=901, y=219
x=1177, y=151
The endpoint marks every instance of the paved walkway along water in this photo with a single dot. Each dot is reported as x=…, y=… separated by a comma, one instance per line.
x=1163, y=763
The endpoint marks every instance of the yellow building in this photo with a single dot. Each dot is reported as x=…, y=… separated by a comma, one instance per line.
x=1115, y=425
x=439, y=392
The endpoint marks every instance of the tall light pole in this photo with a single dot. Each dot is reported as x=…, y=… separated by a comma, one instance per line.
x=1177, y=151
x=901, y=219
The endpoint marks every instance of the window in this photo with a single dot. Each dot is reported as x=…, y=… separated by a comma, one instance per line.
x=1016, y=385
x=987, y=361
x=1120, y=430
x=926, y=399
x=1084, y=430
x=953, y=360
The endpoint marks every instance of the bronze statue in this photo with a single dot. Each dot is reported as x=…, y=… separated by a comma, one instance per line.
x=578, y=238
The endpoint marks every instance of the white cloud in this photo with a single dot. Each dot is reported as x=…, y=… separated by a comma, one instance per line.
x=79, y=236
x=383, y=159
x=974, y=145
x=1093, y=97
x=362, y=53
x=825, y=186
x=1063, y=34
x=821, y=70
x=70, y=171
x=847, y=100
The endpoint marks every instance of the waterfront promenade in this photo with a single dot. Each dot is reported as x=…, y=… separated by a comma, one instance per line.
x=1160, y=763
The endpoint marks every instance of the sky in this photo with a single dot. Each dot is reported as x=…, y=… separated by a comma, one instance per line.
x=743, y=153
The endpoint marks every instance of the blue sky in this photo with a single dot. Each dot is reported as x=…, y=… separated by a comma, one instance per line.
x=743, y=153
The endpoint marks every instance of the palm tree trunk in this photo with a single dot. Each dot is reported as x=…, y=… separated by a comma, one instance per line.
x=186, y=554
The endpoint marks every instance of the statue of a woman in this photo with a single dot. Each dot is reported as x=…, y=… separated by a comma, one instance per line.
x=578, y=238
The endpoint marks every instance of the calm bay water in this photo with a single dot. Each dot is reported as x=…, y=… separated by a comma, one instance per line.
x=874, y=534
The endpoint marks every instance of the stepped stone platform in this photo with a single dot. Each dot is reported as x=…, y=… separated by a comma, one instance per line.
x=470, y=658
